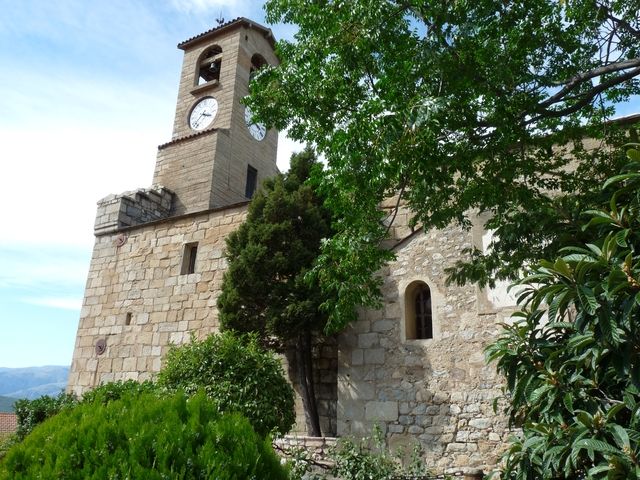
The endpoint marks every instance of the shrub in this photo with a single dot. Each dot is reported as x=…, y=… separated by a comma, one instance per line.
x=108, y=392
x=369, y=458
x=32, y=412
x=238, y=374
x=143, y=436
x=571, y=357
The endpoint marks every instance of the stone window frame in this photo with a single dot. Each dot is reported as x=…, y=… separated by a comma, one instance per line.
x=407, y=305
x=189, y=258
x=257, y=62
x=211, y=55
x=251, y=184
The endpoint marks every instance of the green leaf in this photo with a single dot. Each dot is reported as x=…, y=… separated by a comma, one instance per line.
x=567, y=400
x=620, y=178
x=621, y=437
x=588, y=299
x=595, y=445
x=633, y=154
x=538, y=393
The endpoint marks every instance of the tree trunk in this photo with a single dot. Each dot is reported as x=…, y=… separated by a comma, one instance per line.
x=304, y=370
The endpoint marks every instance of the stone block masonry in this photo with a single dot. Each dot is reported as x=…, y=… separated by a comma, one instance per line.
x=436, y=392
x=137, y=300
x=132, y=208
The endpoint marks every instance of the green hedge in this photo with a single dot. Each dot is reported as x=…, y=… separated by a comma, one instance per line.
x=146, y=437
x=33, y=412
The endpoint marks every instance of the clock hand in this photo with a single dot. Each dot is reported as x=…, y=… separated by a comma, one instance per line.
x=197, y=122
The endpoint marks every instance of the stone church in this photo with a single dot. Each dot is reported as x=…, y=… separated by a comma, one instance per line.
x=415, y=367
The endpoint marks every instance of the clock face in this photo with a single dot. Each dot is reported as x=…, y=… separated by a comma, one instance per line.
x=257, y=130
x=203, y=114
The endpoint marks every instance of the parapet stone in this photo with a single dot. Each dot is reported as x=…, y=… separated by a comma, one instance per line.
x=132, y=208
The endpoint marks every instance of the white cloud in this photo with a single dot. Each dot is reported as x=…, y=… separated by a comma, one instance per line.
x=52, y=180
x=74, y=304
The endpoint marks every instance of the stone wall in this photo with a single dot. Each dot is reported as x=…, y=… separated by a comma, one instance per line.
x=325, y=358
x=438, y=391
x=317, y=447
x=137, y=302
x=132, y=208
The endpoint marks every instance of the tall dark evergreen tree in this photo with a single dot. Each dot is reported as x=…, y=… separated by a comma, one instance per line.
x=266, y=289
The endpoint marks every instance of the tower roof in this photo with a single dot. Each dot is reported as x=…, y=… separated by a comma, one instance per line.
x=240, y=21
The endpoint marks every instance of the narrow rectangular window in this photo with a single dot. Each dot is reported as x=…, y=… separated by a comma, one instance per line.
x=189, y=259
x=252, y=181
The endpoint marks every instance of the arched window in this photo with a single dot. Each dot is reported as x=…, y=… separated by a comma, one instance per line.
x=257, y=62
x=209, y=65
x=418, y=312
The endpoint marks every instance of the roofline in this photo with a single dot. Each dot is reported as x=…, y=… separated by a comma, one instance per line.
x=189, y=137
x=235, y=23
x=172, y=218
x=626, y=120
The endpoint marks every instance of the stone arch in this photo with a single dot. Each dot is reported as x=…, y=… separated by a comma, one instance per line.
x=257, y=62
x=419, y=315
x=209, y=65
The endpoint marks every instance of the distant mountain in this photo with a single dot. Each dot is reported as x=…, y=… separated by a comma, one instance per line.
x=6, y=404
x=33, y=382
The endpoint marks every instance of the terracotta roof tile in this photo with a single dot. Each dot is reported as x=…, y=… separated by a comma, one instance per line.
x=8, y=422
x=187, y=137
x=268, y=34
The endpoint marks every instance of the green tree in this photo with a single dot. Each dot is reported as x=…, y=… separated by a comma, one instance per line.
x=457, y=107
x=573, y=378
x=143, y=436
x=265, y=290
x=237, y=374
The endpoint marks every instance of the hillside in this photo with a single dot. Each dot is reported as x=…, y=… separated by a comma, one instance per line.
x=32, y=382
x=6, y=404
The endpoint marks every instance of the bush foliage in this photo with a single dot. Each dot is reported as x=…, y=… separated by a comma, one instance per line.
x=33, y=412
x=238, y=375
x=108, y=392
x=143, y=436
x=573, y=378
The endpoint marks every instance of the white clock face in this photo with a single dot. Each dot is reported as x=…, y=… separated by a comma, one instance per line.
x=203, y=114
x=257, y=130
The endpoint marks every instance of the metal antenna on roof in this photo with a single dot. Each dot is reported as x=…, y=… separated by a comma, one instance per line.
x=220, y=19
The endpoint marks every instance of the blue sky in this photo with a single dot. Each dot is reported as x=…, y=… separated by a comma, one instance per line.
x=88, y=91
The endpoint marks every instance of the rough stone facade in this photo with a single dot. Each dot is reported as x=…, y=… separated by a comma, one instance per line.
x=438, y=391
x=137, y=302
x=208, y=169
x=158, y=263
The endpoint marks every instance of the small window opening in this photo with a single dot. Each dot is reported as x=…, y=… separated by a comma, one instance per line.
x=418, y=312
x=189, y=259
x=257, y=62
x=424, y=328
x=252, y=181
x=127, y=320
x=210, y=65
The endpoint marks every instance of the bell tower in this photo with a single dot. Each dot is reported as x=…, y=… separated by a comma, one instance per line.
x=217, y=154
